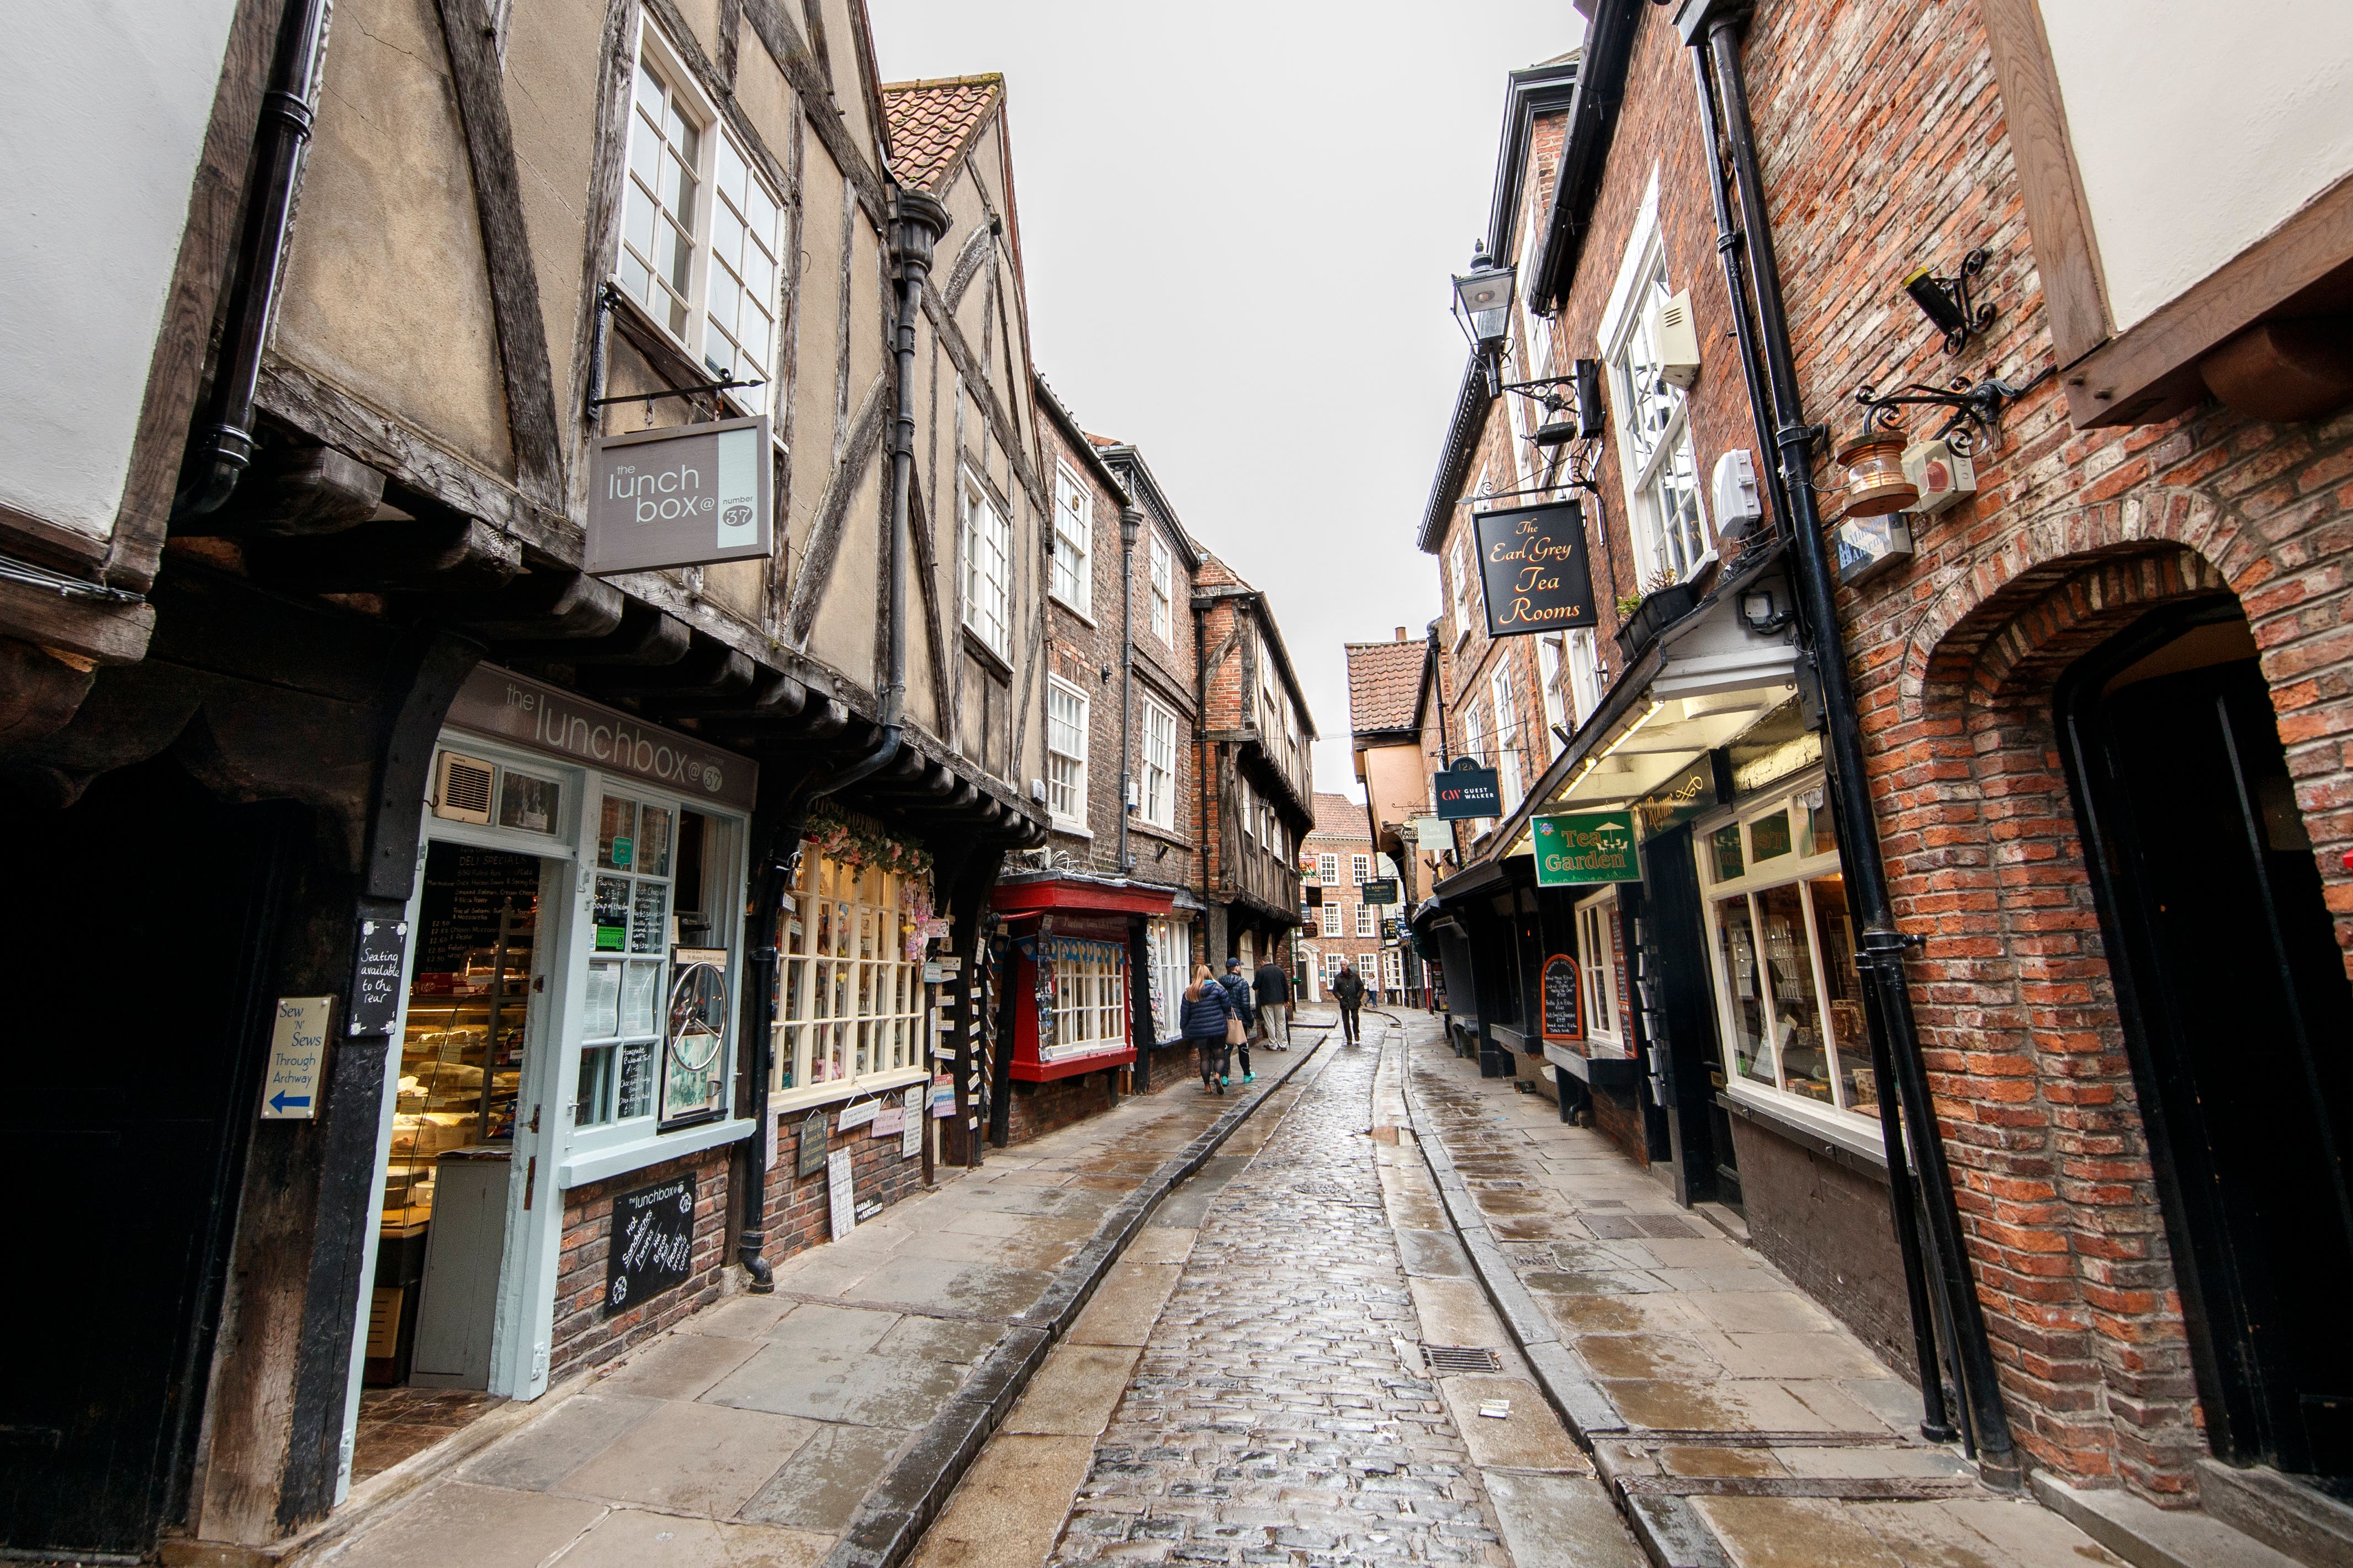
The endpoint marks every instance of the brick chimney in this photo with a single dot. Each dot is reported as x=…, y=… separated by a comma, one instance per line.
x=1401, y=637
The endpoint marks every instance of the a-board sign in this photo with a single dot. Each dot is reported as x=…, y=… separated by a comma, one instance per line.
x=681, y=497
x=375, y=976
x=298, y=1052
x=1532, y=564
x=811, y=1142
x=651, y=1248
x=1381, y=891
x=1467, y=791
x=1564, y=1014
x=1590, y=847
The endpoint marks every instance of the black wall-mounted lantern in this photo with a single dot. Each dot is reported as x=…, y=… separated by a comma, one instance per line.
x=1482, y=304
x=1945, y=301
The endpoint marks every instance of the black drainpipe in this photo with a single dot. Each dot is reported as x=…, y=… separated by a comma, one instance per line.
x=223, y=446
x=1882, y=961
x=1935, y=1422
x=1131, y=523
x=917, y=221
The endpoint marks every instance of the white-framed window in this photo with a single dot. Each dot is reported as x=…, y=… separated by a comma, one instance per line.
x=1652, y=417
x=1507, y=733
x=1333, y=963
x=850, y=1001
x=1170, y=943
x=1460, y=583
x=1369, y=968
x=1246, y=807
x=1474, y=733
x=1393, y=969
x=1164, y=590
x=1598, y=958
x=1360, y=870
x=1332, y=916
x=1585, y=671
x=1090, y=1001
x=1074, y=534
x=1327, y=868
x=701, y=232
x=1066, y=752
x=1559, y=701
x=1157, y=798
x=1781, y=943
x=985, y=538
x=1364, y=919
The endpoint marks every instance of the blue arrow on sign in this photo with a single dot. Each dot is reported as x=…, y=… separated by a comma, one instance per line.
x=281, y=1100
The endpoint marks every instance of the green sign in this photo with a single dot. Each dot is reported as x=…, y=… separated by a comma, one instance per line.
x=1380, y=890
x=1594, y=846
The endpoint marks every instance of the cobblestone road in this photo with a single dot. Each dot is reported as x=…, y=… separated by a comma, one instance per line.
x=1270, y=1419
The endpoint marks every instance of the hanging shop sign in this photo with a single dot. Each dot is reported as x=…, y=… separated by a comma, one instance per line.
x=1564, y=1016
x=1591, y=847
x=1433, y=832
x=685, y=496
x=1532, y=564
x=1381, y=891
x=652, y=1246
x=526, y=712
x=376, y=977
x=1467, y=791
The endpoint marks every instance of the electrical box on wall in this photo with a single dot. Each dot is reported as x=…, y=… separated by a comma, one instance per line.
x=461, y=788
x=1868, y=546
x=1739, y=505
x=1676, y=341
x=1942, y=476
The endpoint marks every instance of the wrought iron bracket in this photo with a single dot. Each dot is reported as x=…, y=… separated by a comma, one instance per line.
x=647, y=398
x=1973, y=317
x=1975, y=408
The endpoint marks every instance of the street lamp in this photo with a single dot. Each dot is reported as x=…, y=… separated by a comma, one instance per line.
x=1482, y=304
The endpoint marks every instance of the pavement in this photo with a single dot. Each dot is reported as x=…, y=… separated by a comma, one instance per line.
x=823, y=1422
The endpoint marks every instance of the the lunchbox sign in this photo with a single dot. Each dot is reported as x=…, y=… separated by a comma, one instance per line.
x=686, y=496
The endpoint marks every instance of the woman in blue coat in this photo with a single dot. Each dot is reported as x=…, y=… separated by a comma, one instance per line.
x=1207, y=1010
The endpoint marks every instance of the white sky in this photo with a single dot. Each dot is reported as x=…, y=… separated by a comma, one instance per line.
x=1237, y=223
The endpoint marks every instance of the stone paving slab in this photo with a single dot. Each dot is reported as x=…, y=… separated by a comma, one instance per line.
x=825, y=1422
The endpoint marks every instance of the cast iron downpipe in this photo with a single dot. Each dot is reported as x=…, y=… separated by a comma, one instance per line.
x=1935, y=1422
x=1131, y=524
x=1881, y=963
x=223, y=446
x=917, y=221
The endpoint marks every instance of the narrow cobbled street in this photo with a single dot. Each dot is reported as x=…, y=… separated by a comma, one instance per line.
x=1279, y=1408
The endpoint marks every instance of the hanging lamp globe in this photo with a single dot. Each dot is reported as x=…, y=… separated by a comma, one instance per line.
x=1482, y=300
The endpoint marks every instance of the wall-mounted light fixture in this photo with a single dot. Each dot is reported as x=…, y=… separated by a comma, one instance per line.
x=1483, y=306
x=1874, y=462
x=1975, y=408
x=1945, y=301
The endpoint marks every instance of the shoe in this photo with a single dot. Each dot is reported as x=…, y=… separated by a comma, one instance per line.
x=1249, y=1077
x=1221, y=1085
x=1223, y=1080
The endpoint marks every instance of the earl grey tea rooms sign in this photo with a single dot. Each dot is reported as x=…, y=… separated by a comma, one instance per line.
x=685, y=496
x=1533, y=567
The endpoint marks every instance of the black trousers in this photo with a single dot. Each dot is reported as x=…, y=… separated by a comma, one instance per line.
x=1213, y=1058
x=1351, y=1026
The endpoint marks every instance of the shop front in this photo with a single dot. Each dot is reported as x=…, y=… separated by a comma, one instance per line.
x=1082, y=966
x=552, y=1147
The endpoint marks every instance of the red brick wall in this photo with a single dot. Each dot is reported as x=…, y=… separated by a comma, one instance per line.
x=1038, y=1109
x=583, y=1336
x=798, y=1215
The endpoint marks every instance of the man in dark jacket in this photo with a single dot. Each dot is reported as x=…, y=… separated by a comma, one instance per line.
x=1272, y=988
x=1348, y=987
x=1245, y=1009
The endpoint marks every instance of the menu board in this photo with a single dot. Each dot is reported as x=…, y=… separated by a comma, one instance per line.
x=1564, y=1018
x=652, y=1246
x=375, y=975
x=458, y=911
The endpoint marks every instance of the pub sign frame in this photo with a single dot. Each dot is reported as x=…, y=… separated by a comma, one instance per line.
x=1535, y=573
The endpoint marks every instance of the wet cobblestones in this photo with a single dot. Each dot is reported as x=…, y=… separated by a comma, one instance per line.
x=1269, y=1419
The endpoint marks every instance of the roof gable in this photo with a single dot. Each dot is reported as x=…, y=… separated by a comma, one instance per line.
x=933, y=122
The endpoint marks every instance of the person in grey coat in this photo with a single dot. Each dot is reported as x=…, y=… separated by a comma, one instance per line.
x=1207, y=1009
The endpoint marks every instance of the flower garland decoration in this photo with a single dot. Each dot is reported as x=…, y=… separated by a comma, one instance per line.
x=855, y=844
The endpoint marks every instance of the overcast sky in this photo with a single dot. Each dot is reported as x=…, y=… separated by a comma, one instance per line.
x=1236, y=224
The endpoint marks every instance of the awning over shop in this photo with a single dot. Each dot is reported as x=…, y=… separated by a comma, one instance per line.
x=1705, y=682
x=1040, y=891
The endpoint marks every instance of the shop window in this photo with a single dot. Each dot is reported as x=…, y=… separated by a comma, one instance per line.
x=1170, y=943
x=1090, y=1000
x=850, y=1001
x=1598, y=958
x=1782, y=946
x=630, y=917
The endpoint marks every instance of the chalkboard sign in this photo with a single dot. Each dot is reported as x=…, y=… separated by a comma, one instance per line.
x=459, y=910
x=809, y=1157
x=375, y=976
x=1564, y=1018
x=651, y=1248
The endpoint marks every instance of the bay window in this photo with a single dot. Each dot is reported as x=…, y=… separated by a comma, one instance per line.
x=1089, y=1006
x=850, y=1001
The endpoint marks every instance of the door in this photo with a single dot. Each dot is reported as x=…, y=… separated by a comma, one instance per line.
x=2237, y=1017
x=135, y=934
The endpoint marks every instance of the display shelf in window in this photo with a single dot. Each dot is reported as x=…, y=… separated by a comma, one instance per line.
x=1072, y=1013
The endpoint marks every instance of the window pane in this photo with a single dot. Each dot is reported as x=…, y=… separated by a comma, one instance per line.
x=592, y=1105
x=1790, y=980
x=1727, y=840
x=1769, y=836
x=653, y=842
x=728, y=169
x=1737, y=972
x=1850, y=1046
x=638, y=227
x=637, y=1087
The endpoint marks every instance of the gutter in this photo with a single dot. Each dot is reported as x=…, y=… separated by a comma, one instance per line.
x=1585, y=150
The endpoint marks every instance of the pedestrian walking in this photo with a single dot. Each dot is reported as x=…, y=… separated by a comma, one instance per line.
x=1273, y=989
x=1348, y=988
x=1238, y=989
x=1209, y=1021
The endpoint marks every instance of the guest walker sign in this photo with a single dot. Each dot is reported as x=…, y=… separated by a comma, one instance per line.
x=1532, y=564
x=681, y=497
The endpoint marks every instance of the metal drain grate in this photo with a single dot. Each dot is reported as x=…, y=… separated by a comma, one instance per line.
x=1450, y=1358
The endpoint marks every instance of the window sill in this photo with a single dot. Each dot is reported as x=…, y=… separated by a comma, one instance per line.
x=1083, y=612
x=978, y=646
x=1151, y=829
x=1813, y=1127
x=781, y=1102
x=594, y=1166
x=1068, y=828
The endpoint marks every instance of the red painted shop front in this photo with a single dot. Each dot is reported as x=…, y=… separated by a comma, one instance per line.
x=1071, y=944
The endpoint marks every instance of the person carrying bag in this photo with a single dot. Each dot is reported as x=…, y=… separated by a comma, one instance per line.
x=1238, y=992
x=1209, y=1022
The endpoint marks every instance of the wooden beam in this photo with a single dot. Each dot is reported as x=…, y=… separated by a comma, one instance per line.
x=600, y=236
x=645, y=636
x=2073, y=300
x=784, y=46
x=824, y=542
x=543, y=604
x=477, y=79
x=105, y=633
x=1006, y=429
x=462, y=555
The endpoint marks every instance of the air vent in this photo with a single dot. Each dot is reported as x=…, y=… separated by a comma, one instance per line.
x=462, y=791
x=1446, y=1361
